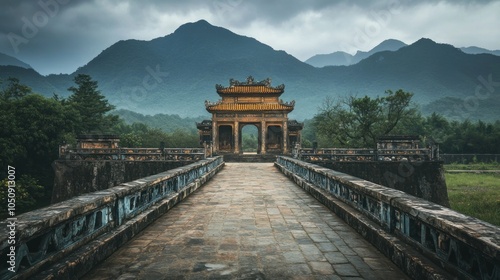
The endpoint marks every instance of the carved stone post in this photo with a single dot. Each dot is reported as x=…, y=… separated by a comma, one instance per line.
x=285, y=136
x=215, y=136
x=236, y=135
x=263, y=132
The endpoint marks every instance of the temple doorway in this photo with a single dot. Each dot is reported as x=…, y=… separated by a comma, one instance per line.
x=226, y=138
x=274, y=138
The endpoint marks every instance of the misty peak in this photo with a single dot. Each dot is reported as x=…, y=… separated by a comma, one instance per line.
x=389, y=45
x=198, y=26
x=8, y=60
x=425, y=41
x=426, y=44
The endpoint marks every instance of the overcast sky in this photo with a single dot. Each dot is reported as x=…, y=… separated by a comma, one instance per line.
x=58, y=36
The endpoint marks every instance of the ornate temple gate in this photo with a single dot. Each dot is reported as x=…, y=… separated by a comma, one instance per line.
x=250, y=103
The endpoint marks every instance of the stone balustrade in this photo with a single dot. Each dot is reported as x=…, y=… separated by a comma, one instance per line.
x=349, y=154
x=67, y=238
x=463, y=246
x=137, y=154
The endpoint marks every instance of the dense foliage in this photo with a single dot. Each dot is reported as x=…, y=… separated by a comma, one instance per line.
x=139, y=135
x=32, y=127
x=357, y=122
x=165, y=122
x=91, y=106
x=468, y=137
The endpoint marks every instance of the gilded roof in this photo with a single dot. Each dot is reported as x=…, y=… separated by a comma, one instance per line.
x=249, y=89
x=249, y=107
x=250, y=86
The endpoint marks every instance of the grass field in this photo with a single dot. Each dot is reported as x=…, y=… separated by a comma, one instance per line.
x=473, y=166
x=476, y=195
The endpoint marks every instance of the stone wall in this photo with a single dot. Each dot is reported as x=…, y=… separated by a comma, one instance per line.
x=75, y=177
x=66, y=239
x=424, y=239
x=424, y=179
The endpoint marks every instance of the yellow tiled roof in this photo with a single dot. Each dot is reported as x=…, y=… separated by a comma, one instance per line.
x=249, y=89
x=249, y=107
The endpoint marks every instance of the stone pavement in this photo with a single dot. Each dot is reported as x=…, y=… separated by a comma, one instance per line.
x=248, y=222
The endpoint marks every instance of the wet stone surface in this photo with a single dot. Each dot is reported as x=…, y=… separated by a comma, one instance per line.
x=248, y=222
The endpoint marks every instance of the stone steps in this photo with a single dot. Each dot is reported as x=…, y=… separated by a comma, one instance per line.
x=249, y=158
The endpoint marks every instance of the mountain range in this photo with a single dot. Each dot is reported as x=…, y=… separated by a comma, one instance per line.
x=176, y=73
x=339, y=58
x=342, y=58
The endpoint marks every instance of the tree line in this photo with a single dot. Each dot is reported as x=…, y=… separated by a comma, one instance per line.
x=357, y=122
x=33, y=126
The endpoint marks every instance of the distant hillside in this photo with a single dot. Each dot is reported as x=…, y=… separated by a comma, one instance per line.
x=175, y=74
x=343, y=58
x=331, y=59
x=30, y=77
x=477, y=50
x=472, y=108
x=428, y=69
x=167, y=123
x=7, y=60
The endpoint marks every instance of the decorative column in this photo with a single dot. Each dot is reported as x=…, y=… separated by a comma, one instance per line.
x=285, y=136
x=215, y=136
x=263, y=132
x=236, y=135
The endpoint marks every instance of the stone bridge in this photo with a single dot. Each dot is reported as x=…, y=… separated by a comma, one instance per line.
x=282, y=220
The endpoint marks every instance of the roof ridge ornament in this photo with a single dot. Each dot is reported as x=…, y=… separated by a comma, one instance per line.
x=250, y=81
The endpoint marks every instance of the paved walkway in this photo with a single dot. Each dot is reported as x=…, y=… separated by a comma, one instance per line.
x=248, y=222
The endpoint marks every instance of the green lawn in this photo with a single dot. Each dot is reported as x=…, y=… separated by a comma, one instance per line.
x=473, y=166
x=476, y=195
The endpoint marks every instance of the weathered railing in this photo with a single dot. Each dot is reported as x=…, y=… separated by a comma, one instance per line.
x=404, y=154
x=461, y=245
x=348, y=154
x=184, y=154
x=336, y=154
x=105, y=218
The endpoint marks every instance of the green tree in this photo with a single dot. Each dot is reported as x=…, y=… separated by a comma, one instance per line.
x=358, y=122
x=437, y=127
x=153, y=137
x=15, y=90
x=130, y=140
x=181, y=138
x=472, y=137
x=396, y=107
x=33, y=129
x=308, y=134
x=139, y=135
x=29, y=193
x=249, y=142
x=91, y=105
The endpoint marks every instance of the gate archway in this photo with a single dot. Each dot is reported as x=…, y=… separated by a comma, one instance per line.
x=250, y=139
x=254, y=104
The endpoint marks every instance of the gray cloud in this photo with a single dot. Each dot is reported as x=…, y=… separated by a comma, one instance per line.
x=60, y=35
